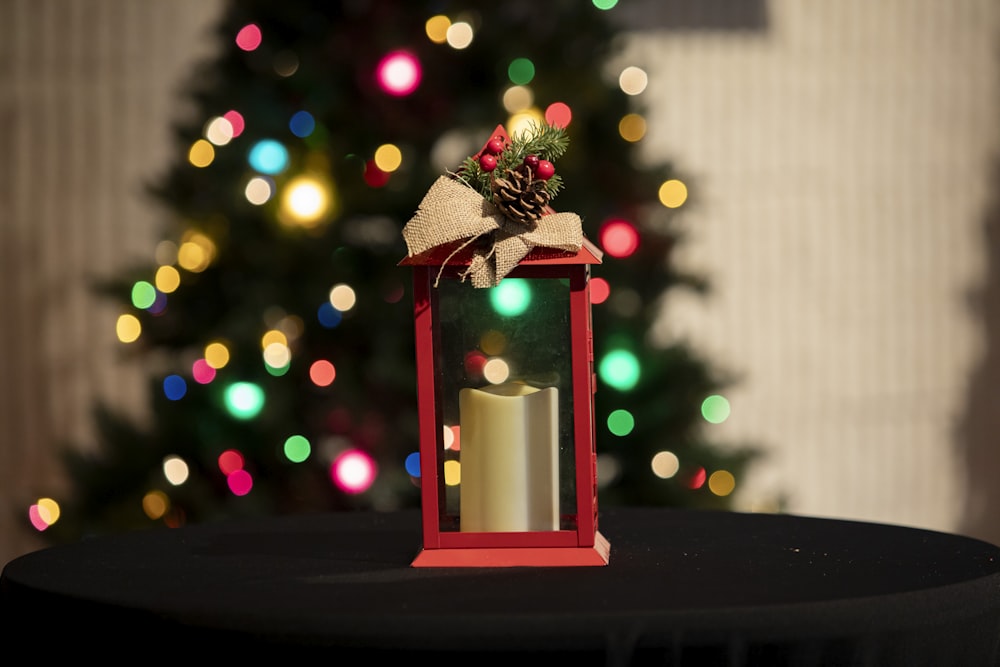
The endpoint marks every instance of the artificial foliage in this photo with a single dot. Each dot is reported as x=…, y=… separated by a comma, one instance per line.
x=262, y=269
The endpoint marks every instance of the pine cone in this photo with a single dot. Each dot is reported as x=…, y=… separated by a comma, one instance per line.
x=520, y=196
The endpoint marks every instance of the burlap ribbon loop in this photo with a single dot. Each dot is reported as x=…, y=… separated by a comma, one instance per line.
x=453, y=211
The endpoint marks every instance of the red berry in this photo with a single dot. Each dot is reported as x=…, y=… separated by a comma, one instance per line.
x=494, y=146
x=544, y=170
x=487, y=162
x=531, y=161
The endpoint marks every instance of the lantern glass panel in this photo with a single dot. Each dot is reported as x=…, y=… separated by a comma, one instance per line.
x=504, y=386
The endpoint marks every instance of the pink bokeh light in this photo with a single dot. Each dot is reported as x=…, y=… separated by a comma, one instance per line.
x=399, y=73
x=353, y=471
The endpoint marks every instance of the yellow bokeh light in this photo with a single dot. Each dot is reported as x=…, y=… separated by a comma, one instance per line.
x=721, y=482
x=388, y=157
x=436, y=28
x=632, y=127
x=216, y=355
x=665, y=464
x=343, y=297
x=306, y=201
x=48, y=510
x=175, y=469
x=219, y=131
x=258, y=191
x=155, y=504
x=452, y=473
x=201, y=154
x=522, y=120
x=271, y=337
x=496, y=371
x=459, y=35
x=633, y=80
x=167, y=279
x=493, y=342
x=673, y=193
x=196, y=252
x=518, y=98
x=128, y=328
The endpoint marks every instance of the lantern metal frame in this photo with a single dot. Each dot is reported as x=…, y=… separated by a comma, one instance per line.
x=581, y=545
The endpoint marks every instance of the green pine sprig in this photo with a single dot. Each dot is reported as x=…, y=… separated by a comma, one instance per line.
x=548, y=142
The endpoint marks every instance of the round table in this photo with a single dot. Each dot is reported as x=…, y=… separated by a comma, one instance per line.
x=682, y=587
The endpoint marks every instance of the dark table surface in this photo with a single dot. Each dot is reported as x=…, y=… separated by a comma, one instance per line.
x=682, y=587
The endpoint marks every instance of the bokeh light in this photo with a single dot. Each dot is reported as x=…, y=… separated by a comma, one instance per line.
x=436, y=28
x=175, y=470
x=511, y=297
x=202, y=372
x=297, y=448
x=268, y=156
x=619, y=238
x=621, y=422
x=240, y=482
x=665, y=464
x=673, y=193
x=277, y=355
x=196, y=252
x=219, y=131
x=259, y=190
x=619, y=369
x=230, y=461
x=302, y=124
x=328, y=316
x=599, y=290
x=521, y=71
x=388, y=157
x=517, y=99
x=305, y=201
x=721, y=482
x=244, y=400
x=715, y=409
x=459, y=35
x=249, y=37
x=128, y=328
x=398, y=73
x=633, y=80
x=167, y=279
x=452, y=472
x=632, y=127
x=493, y=342
x=174, y=387
x=412, y=464
x=236, y=121
x=343, y=297
x=155, y=504
x=696, y=478
x=558, y=114
x=322, y=373
x=496, y=371
x=604, y=4
x=43, y=513
x=201, y=153
x=353, y=471
x=143, y=294
x=217, y=354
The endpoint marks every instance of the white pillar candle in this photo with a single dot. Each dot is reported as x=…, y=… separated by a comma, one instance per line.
x=510, y=458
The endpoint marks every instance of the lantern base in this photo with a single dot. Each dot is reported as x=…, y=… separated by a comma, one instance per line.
x=599, y=554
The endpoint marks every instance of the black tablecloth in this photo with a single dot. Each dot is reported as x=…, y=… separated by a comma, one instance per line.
x=682, y=587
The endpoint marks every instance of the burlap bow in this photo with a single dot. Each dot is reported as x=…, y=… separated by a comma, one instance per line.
x=452, y=211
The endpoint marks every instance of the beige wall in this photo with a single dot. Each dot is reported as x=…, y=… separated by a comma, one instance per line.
x=842, y=161
x=87, y=94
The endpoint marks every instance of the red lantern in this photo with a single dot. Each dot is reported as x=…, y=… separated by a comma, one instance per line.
x=508, y=466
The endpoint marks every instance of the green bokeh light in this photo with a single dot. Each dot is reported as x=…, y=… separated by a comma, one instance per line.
x=619, y=369
x=143, y=294
x=244, y=400
x=297, y=448
x=605, y=4
x=511, y=297
x=521, y=71
x=621, y=422
x=715, y=409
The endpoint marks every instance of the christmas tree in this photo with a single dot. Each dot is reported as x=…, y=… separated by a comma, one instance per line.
x=275, y=318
